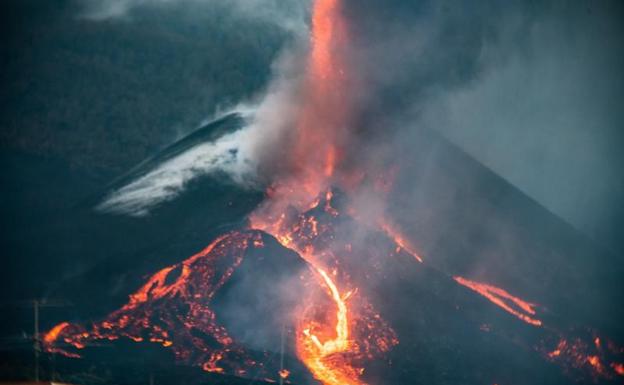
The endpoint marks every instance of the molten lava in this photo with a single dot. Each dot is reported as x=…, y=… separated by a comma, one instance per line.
x=336, y=327
x=571, y=352
x=314, y=353
x=400, y=240
x=323, y=121
x=513, y=305
x=173, y=309
x=577, y=355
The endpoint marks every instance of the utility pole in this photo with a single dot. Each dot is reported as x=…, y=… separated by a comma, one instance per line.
x=36, y=304
x=37, y=345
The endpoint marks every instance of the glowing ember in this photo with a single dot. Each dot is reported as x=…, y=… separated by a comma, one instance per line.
x=575, y=354
x=595, y=362
x=513, y=305
x=53, y=334
x=284, y=373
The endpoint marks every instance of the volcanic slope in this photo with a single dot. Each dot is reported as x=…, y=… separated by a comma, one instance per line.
x=447, y=332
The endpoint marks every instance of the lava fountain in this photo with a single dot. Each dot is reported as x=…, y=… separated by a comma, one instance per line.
x=320, y=130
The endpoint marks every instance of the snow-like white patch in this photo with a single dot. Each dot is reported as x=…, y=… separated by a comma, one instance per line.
x=227, y=154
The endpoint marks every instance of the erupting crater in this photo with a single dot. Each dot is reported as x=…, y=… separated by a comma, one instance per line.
x=324, y=271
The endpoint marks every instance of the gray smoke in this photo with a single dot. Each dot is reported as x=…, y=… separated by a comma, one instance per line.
x=529, y=90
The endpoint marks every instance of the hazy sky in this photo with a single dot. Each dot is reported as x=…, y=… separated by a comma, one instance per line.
x=533, y=90
x=549, y=117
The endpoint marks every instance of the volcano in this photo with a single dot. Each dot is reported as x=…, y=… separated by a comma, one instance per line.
x=317, y=282
x=224, y=308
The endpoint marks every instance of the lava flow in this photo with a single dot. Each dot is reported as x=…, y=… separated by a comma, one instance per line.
x=313, y=352
x=513, y=305
x=173, y=309
x=599, y=357
x=322, y=346
x=336, y=329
